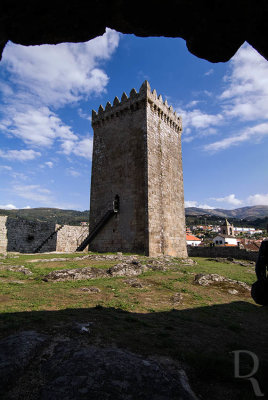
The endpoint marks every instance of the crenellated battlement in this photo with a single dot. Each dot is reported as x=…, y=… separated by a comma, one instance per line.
x=133, y=103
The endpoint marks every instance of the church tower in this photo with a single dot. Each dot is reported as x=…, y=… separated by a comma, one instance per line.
x=137, y=179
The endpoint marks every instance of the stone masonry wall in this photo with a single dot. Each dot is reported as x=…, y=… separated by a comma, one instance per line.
x=3, y=234
x=25, y=236
x=224, y=252
x=70, y=237
x=137, y=155
x=118, y=168
x=165, y=180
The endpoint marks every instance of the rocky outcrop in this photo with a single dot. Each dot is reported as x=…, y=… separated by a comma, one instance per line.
x=16, y=352
x=232, y=286
x=64, y=368
x=75, y=274
x=18, y=268
x=130, y=268
x=212, y=30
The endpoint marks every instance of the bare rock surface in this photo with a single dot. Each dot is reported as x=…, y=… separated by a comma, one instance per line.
x=19, y=268
x=134, y=283
x=90, y=257
x=76, y=373
x=16, y=352
x=188, y=261
x=90, y=289
x=39, y=367
x=222, y=281
x=130, y=268
x=177, y=298
x=75, y=274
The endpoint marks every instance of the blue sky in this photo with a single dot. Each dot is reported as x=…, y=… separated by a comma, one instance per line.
x=47, y=94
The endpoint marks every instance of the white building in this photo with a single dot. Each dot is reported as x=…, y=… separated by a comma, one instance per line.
x=225, y=239
x=192, y=240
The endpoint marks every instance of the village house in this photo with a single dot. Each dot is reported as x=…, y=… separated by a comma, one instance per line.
x=192, y=240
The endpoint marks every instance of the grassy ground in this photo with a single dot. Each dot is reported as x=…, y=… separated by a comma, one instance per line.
x=201, y=331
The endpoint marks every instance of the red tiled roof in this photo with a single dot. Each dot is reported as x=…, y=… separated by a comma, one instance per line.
x=191, y=237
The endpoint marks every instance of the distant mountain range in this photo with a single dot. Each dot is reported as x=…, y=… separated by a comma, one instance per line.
x=73, y=217
x=248, y=213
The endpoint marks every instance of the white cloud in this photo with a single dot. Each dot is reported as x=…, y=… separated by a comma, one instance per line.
x=209, y=72
x=246, y=92
x=60, y=74
x=230, y=199
x=47, y=77
x=34, y=193
x=192, y=103
x=198, y=119
x=8, y=207
x=49, y=164
x=19, y=155
x=84, y=115
x=251, y=133
x=244, y=99
x=193, y=203
x=73, y=172
x=82, y=148
x=5, y=168
x=39, y=127
x=258, y=199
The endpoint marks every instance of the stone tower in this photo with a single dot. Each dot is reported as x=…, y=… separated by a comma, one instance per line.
x=227, y=228
x=137, y=161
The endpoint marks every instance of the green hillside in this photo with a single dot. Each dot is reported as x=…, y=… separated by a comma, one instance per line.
x=55, y=215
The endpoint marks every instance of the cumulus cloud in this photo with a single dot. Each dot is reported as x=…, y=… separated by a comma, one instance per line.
x=45, y=78
x=82, y=148
x=243, y=100
x=258, y=199
x=193, y=203
x=8, y=207
x=19, y=155
x=230, y=199
x=60, y=74
x=198, y=119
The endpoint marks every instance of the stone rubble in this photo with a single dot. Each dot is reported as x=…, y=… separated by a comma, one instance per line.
x=91, y=289
x=177, y=298
x=134, y=283
x=17, y=268
x=212, y=279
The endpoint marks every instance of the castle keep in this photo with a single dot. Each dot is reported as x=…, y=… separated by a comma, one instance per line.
x=137, y=200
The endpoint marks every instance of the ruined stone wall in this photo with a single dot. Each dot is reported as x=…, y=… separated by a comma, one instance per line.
x=70, y=237
x=25, y=236
x=137, y=155
x=165, y=180
x=224, y=252
x=118, y=168
x=3, y=234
